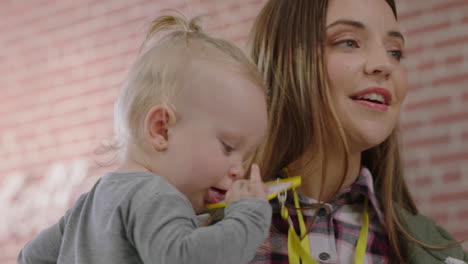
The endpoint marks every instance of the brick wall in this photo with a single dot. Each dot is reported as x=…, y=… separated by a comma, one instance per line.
x=435, y=117
x=62, y=63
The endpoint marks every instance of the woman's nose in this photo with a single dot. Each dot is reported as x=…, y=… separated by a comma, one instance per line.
x=378, y=63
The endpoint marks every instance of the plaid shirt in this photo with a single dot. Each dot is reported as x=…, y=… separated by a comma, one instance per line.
x=336, y=229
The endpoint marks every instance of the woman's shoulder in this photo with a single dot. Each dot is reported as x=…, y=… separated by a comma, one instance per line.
x=426, y=230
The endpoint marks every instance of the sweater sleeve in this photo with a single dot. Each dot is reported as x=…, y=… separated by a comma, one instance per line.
x=44, y=248
x=164, y=230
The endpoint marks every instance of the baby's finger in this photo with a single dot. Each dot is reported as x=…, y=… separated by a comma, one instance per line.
x=237, y=185
x=255, y=177
x=258, y=188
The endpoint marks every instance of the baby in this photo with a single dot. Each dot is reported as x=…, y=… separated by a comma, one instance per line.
x=189, y=118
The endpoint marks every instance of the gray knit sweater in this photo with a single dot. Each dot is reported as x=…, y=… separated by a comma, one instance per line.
x=141, y=218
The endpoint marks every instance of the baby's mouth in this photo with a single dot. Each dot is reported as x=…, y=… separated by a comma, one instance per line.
x=216, y=195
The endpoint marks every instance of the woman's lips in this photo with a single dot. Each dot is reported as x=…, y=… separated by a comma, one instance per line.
x=376, y=106
x=384, y=93
x=375, y=98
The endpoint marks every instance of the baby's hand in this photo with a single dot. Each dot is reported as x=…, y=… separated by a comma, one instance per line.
x=252, y=187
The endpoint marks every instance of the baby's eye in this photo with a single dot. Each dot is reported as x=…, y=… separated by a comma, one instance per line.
x=348, y=43
x=397, y=54
x=228, y=149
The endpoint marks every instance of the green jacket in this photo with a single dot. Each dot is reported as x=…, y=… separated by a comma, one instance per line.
x=426, y=230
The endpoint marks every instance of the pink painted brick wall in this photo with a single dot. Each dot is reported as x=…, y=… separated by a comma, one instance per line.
x=62, y=63
x=435, y=117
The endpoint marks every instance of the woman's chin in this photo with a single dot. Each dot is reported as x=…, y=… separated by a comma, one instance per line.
x=368, y=137
x=366, y=143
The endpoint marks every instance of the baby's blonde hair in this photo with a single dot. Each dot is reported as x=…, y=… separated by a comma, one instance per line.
x=154, y=77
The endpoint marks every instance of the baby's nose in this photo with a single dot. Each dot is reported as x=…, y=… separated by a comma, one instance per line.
x=236, y=173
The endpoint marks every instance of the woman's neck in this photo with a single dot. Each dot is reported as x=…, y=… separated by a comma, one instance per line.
x=311, y=172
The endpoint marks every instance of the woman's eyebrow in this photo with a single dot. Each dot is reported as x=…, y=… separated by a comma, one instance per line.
x=347, y=22
x=359, y=25
x=396, y=34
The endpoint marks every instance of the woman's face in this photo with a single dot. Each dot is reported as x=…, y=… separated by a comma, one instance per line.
x=367, y=80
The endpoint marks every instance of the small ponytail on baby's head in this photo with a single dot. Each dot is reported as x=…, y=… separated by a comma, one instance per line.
x=175, y=27
x=174, y=23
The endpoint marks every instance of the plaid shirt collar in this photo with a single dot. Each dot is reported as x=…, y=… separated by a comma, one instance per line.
x=362, y=188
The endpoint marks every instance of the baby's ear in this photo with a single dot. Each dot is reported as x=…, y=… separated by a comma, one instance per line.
x=157, y=125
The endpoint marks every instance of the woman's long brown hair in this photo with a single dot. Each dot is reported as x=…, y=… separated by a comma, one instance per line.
x=287, y=44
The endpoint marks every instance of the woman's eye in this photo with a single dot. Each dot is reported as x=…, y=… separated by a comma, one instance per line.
x=349, y=43
x=228, y=149
x=397, y=54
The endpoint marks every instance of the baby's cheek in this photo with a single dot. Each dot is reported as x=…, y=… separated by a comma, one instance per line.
x=205, y=162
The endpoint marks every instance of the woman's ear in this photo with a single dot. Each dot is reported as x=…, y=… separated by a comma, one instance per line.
x=157, y=125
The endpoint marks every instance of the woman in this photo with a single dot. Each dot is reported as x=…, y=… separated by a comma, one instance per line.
x=336, y=82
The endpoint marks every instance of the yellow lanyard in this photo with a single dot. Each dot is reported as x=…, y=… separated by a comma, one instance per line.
x=299, y=251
